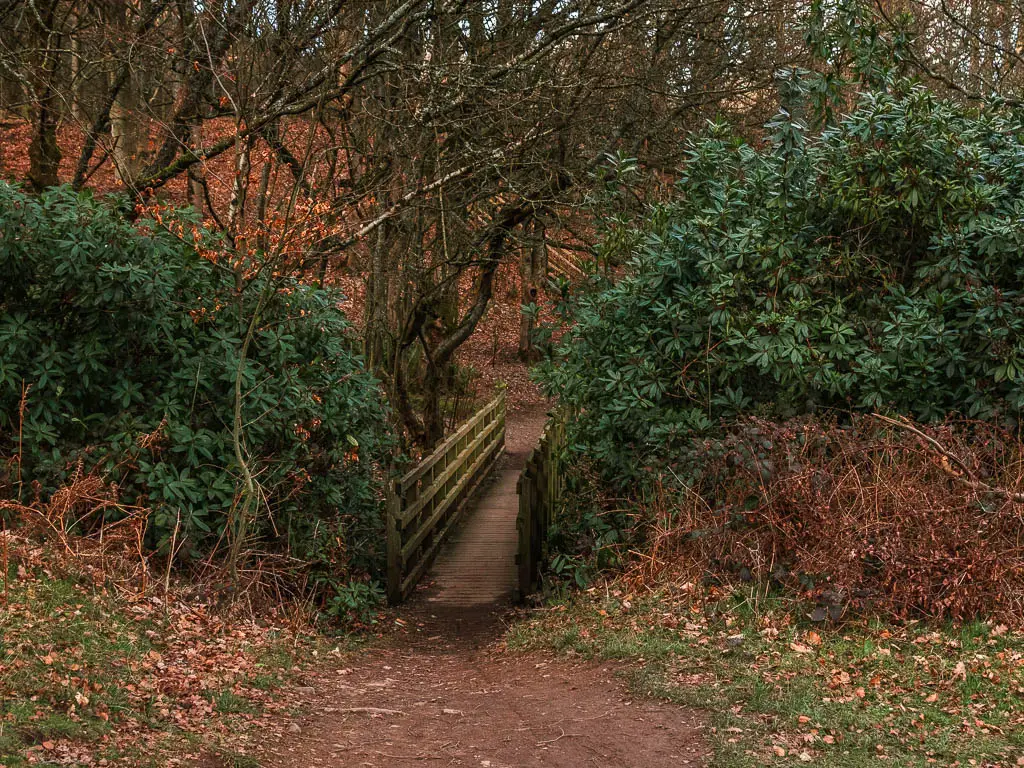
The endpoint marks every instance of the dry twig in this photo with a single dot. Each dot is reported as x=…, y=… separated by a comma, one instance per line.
x=967, y=477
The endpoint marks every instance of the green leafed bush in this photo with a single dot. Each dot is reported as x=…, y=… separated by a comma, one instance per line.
x=874, y=266
x=129, y=342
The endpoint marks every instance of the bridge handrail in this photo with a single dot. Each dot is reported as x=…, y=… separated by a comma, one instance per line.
x=540, y=489
x=425, y=503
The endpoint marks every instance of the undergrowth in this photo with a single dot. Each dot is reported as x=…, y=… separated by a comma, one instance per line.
x=149, y=372
x=870, y=516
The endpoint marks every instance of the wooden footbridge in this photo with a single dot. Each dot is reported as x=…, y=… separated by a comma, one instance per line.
x=472, y=514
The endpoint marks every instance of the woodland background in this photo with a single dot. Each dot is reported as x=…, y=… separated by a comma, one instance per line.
x=256, y=255
x=373, y=190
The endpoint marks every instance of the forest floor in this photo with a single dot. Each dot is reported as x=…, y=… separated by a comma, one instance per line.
x=779, y=689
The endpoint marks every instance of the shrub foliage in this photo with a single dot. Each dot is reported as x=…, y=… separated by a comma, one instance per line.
x=872, y=267
x=875, y=266
x=128, y=344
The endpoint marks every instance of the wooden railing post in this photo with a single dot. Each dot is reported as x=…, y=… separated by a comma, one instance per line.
x=394, y=544
x=524, y=531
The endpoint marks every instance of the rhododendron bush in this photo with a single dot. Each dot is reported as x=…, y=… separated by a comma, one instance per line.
x=873, y=267
x=236, y=417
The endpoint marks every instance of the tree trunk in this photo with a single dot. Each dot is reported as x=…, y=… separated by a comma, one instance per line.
x=433, y=418
x=44, y=153
x=77, y=72
x=239, y=188
x=375, y=348
x=493, y=247
x=533, y=269
x=124, y=133
x=125, y=120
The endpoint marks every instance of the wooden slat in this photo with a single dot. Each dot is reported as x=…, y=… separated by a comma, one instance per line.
x=409, y=546
x=540, y=491
x=427, y=557
x=418, y=471
x=440, y=482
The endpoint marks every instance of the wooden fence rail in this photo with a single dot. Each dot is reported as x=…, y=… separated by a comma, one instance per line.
x=425, y=503
x=540, y=491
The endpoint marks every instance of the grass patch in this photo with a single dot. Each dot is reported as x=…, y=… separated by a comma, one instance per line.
x=238, y=760
x=62, y=658
x=231, y=702
x=780, y=690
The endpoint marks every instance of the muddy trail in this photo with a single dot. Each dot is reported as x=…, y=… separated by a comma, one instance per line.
x=447, y=692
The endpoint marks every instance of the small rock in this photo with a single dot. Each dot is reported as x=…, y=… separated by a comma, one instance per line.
x=305, y=690
x=452, y=712
x=735, y=641
x=294, y=728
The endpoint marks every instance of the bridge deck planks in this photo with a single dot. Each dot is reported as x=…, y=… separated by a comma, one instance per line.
x=478, y=566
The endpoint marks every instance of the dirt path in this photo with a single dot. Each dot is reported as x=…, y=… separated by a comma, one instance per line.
x=447, y=693
x=457, y=706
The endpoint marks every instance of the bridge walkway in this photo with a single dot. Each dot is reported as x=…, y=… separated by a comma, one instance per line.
x=477, y=567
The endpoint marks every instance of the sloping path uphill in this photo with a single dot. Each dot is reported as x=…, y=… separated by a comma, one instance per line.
x=447, y=693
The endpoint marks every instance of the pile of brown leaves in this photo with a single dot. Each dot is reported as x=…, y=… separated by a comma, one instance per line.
x=909, y=520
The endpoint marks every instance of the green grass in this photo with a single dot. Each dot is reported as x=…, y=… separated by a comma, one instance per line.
x=230, y=702
x=237, y=760
x=56, y=677
x=795, y=693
